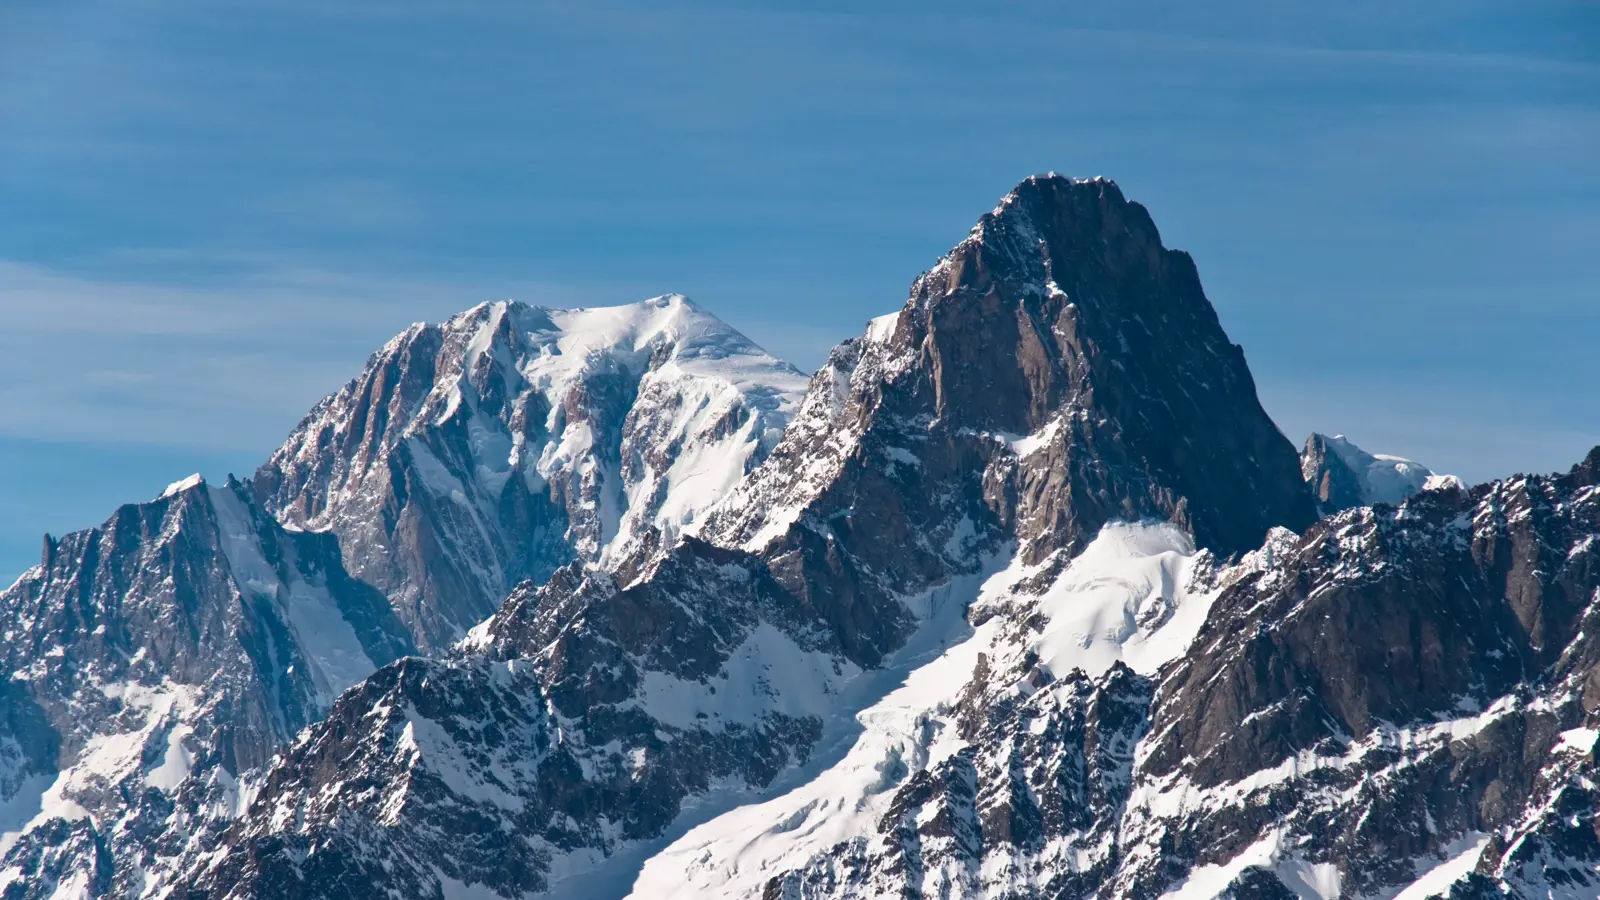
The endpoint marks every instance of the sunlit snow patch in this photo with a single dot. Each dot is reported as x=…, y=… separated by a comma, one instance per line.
x=178, y=487
x=1127, y=597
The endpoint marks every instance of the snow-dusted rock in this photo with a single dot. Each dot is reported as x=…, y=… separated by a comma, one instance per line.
x=150, y=662
x=1029, y=599
x=1382, y=707
x=1344, y=476
x=511, y=440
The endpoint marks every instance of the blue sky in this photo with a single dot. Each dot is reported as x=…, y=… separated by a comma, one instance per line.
x=210, y=212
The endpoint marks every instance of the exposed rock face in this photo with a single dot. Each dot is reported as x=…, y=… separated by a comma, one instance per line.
x=1031, y=780
x=581, y=727
x=1395, y=694
x=1003, y=766
x=512, y=440
x=1058, y=371
x=151, y=661
x=1425, y=661
x=1344, y=476
x=1061, y=330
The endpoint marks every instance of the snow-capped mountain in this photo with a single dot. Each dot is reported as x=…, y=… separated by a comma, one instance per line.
x=195, y=635
x=150, y=661
x=1021, y=596
x=511, y=440
x=1344, y=476
x=1025, y=397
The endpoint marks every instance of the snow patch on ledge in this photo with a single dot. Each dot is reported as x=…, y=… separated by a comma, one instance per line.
x=768, y=673
x=1579, y=739
x=178, y=487
x=1307, y=880
x=1125, y=598
x=881, y=328
x=1461, y=858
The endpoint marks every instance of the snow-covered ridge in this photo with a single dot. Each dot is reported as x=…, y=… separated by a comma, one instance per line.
x=178, y=487
x=701, y=345
x=526, y=438
x=1385, y=478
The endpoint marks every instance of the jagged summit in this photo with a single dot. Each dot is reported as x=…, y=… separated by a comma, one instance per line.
x=1063, y=319
x=512, y=439
x=1036, y=210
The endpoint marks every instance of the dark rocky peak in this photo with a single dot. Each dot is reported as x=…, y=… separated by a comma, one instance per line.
x=511, y=440
x=1342, y=475
x=1064, y=352
x=1065, y=294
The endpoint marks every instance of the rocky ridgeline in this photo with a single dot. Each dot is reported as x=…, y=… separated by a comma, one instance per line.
x=151, y=662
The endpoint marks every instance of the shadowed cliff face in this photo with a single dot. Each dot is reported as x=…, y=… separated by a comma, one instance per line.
x=1064, y=306
x=1383, y=616
x=153, y=660
x=1059, y=369
x=1428, y=659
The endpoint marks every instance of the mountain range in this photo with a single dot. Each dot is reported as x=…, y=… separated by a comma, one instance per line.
x=1021, y=595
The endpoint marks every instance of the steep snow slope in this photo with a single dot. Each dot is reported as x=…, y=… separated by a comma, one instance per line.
x=512, y=440
x=1134, y=598
x=1398, y=702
